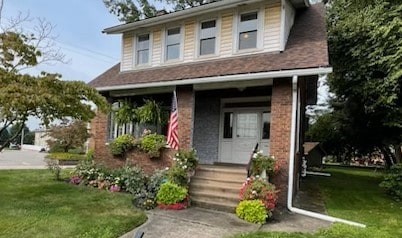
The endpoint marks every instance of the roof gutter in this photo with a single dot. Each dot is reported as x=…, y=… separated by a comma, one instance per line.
x=221, y=79
x=291, y=168
x=178, y=15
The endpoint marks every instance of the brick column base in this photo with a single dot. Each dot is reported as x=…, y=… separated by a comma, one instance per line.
x=185, y=107
x=281, y=110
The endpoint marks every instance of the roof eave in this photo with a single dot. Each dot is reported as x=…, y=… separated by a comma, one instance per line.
x=300, y=3
x=179, y=15
x=228, y=78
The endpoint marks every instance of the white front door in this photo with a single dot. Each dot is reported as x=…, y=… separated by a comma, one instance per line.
x=242, y=129
x=246, y=136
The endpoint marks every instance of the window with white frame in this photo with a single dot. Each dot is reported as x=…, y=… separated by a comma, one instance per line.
x=142, y=49
x=173, y=39
x=207, y=37
x=248, y=29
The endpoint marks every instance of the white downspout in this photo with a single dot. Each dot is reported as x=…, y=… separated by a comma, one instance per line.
x=291, y=168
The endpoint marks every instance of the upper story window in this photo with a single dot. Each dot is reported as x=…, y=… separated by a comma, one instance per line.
x=207, y=37
x=143, y=49
x=173, y=39
x=248, y=26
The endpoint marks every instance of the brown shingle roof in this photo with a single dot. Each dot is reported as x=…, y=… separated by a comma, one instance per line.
x=306, y=48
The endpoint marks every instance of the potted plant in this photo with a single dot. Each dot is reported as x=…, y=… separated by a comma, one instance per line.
x=262, y=165
x=172, y=196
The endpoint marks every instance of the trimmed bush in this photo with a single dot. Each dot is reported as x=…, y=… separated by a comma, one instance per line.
x=122, y=144
x=170, y=193
x=393, y=182
x=252, y=211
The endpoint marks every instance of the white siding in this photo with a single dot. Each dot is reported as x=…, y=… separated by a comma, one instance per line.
x=226, y=42
x=270, y=40
x=127, y=54
x=157, y=48
x=189, y=41
x=272, y=25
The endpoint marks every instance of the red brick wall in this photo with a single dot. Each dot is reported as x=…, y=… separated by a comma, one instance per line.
x=281, y=106
x=102, y=154
x=185, y=107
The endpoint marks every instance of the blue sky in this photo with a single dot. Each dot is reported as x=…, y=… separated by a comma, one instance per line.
x=78, y=25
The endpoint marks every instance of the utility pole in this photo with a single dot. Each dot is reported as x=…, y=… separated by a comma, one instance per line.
x=22, y=135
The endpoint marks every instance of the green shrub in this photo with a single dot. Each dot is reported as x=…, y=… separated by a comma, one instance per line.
x=133, y=179
x=258, y=188
x=87, y=170
x=170, y=193
x=252, y=211
x=122, y=144
x=177, y=175
x=55, y=148
x=76, y=151
x=65, y=156
x=55, y=168
x=146, y=199
x=393, y=182
x=186, y=159
x=90, y=154
x=152, y=143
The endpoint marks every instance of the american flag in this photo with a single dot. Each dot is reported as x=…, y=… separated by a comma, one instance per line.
x=172, y=138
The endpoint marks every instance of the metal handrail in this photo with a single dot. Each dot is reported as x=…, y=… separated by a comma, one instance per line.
x=255, y=150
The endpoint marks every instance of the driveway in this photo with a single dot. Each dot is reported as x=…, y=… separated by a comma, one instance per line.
x=22, y=159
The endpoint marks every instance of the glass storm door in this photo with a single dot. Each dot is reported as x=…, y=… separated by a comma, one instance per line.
x=246, y=136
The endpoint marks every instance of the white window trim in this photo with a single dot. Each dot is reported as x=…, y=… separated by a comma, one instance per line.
x=164, y=44
x=135, y=40
x=260, y=30
x=217, y=37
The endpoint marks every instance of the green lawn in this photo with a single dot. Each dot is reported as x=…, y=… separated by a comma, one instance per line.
x=352, y=194
x=32, y=204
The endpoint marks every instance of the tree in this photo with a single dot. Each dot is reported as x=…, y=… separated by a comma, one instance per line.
x=44, y=96
x=28, y=135
x=184, y=4
x=131, y=11
x=4, y=136
x=68, y=136
x=365, y=45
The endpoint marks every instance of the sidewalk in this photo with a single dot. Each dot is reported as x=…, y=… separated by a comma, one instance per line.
x=203, y=223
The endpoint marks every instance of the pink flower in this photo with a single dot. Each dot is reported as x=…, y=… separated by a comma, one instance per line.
x=114, y=188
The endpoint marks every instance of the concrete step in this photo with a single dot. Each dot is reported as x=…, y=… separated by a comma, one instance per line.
x=214, y=205
x=222, y=173
x=217, y=197
x=217, y=186
x=217, y=182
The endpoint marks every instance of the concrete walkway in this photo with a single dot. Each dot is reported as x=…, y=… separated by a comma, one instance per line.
x=203, y=223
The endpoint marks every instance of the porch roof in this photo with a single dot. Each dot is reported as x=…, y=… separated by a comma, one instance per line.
x=306, y=49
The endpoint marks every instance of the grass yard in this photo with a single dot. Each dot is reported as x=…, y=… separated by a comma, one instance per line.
x=32, y=204
x=352, y=194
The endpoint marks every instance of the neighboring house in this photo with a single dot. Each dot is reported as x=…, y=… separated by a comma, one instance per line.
x=243, y=72
x=41, y=138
